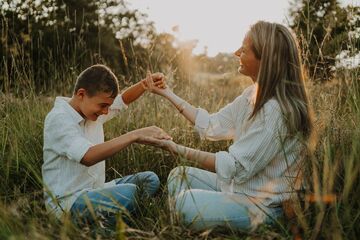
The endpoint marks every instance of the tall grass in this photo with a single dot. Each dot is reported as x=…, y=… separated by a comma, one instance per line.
x=334, y=169
x=329, y=208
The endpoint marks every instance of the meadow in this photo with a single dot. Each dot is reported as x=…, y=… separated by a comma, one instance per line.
x=328, y=208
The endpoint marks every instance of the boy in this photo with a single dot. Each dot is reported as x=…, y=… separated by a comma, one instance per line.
x=74, y=148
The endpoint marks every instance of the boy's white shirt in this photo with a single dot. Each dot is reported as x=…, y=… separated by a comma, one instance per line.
x=67, y=137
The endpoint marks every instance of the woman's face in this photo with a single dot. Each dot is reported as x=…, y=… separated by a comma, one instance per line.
x=249, y=64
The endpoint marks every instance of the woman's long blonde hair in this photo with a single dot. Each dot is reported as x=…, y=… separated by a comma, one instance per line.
x=281, y=76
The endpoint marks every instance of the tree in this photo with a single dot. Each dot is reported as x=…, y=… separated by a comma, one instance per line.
x=322, y=26
x=51, y=41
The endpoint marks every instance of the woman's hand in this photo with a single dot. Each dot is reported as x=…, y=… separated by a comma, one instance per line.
x=155, y=83
x=165, y=144
x=144, y=135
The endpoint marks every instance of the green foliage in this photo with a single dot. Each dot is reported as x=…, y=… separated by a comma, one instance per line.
x=221, y=63
x=323, y=28
x=65, y=37
x=46, y=50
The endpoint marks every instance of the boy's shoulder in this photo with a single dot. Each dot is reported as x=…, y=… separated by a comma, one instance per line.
x=61, y=114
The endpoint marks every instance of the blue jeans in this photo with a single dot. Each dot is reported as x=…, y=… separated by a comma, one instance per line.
x=105, y=204
x=197, y=198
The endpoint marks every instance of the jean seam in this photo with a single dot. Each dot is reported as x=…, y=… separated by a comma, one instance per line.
x=200, y=180
x=223, y=219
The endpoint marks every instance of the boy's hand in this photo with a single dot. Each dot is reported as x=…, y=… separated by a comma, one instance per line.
x=154, y=83
x=143, y=135
x=158, y=79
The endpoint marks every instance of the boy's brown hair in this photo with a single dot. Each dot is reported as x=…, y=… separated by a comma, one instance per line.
x=97, y=78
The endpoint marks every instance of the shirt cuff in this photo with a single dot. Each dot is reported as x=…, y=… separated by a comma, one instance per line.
x=118, y=103
x=78, y=149
x=202, y=122
x=225, y=166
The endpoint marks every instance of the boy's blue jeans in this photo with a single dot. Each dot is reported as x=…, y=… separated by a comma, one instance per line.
x=106, y=203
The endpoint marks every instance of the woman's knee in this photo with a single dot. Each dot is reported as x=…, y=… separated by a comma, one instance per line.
x=178, y=177
x=186, y=206
x=173, y=178
x=200, y=210
x=181, y=173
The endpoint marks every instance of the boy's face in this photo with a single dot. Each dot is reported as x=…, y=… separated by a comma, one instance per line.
x=92, y=107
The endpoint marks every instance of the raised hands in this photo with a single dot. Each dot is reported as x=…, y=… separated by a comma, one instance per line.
x=155, y=83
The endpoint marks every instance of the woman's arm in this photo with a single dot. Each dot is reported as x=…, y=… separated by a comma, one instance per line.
x=216, y=126
x=185, y=108
x=180, y=104
x=205, y=160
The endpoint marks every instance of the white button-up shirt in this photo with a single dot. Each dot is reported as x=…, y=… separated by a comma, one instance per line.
x=261, y=163
x=67, y=137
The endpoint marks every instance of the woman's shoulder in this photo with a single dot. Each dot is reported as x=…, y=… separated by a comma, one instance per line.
x=272, y=105
x=273, y=114
x=249, y=91
x=246, y=95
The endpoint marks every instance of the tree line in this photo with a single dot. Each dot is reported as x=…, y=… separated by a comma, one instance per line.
x=45, y=43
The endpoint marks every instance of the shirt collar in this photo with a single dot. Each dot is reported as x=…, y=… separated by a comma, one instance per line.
x=251, y=96
x=63, y=103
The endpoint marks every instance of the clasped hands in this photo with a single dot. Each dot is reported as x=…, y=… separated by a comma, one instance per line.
x=155, y=83
x=155, y=136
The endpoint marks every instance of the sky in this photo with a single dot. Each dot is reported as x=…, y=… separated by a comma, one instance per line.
x=220, y=25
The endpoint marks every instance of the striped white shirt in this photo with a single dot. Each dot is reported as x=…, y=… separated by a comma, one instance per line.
x=259, y=163
x=67, y=137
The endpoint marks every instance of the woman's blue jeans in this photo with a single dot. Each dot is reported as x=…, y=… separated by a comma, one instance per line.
x=196, y=196
x=105, y=204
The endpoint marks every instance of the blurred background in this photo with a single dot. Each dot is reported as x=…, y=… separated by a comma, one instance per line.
x=178, y=37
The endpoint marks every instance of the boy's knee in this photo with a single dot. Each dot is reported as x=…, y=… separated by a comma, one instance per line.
x=128, y=193
x=151, y=182
x=153, y=178
x=130, y=189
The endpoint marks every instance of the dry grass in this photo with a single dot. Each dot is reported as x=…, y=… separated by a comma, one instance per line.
x=334, y=169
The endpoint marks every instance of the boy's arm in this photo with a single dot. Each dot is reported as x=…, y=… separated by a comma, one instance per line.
x=136, y=90
x=133, y=93
x=127, y=97
x=100, y=152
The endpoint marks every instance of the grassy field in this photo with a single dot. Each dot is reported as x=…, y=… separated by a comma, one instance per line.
x=333, y=169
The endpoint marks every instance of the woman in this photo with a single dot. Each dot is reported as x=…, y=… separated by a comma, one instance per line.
x=270, y=124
